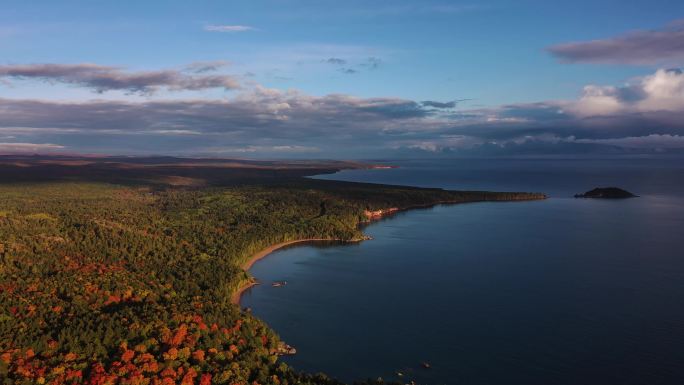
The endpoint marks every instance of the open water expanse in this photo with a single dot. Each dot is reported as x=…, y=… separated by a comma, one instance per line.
x=561, y=291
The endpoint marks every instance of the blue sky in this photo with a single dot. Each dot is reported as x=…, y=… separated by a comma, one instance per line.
x=495, y=57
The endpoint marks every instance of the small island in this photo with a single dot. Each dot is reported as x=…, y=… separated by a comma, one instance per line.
x=607, y=193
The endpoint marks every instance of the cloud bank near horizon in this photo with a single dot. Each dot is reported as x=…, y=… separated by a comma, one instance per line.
x=645, y=115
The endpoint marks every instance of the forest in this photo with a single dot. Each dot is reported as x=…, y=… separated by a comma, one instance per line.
x=129, y=282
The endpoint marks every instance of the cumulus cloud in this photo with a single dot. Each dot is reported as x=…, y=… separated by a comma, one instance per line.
x=661, y=91
x=646, y=114
x=660, y=47
x=228, y=28
x=107, y=78
x=597, y=100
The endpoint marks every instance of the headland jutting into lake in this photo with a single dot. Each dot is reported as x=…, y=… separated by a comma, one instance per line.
x=123, y=269
x=531, y=293
x=370, y=216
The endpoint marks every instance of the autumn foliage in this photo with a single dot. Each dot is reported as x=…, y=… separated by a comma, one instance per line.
x=104, y=284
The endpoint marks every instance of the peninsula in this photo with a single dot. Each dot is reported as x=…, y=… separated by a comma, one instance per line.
x=116, y=270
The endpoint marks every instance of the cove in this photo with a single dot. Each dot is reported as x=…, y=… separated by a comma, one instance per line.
x=561, y=291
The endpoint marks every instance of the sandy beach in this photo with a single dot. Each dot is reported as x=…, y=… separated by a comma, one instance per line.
x=235, y=297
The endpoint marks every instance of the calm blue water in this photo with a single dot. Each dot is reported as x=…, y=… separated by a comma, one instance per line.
x=562, y=291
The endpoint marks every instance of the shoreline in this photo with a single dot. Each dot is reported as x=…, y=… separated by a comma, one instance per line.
x=237, y=295
x=373, y=217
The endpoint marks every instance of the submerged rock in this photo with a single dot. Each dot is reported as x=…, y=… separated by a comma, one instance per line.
x=607, y=193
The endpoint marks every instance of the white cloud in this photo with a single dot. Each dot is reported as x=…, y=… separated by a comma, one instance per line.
x=597, y=100
x=664, y=91
x=28, y=147
x=228, y=28
x=661, y=91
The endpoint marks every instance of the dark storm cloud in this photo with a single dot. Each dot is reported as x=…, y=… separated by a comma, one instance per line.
x=638, y=48
x=106, y=78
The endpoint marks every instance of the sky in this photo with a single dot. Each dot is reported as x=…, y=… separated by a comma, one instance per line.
x=342, y=79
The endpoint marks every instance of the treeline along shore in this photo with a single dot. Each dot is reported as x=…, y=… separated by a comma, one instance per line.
x=133, y=280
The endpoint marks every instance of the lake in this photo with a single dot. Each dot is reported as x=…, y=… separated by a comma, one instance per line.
x=561, y=291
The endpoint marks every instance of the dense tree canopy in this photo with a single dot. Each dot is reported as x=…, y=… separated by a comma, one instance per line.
x=111, y=284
